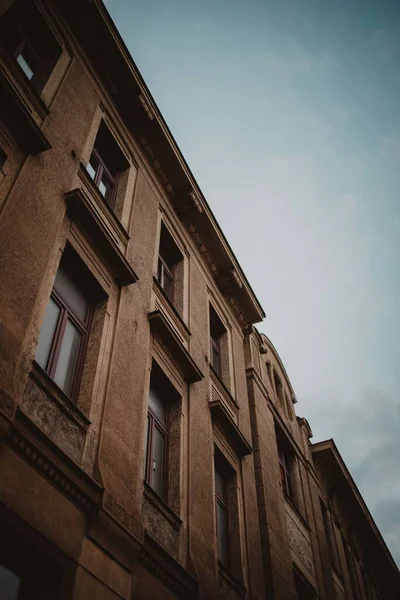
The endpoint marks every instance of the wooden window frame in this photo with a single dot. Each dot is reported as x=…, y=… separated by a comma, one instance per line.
x=162, y=269
x=83, y=327
x=154, y=422
x=223, y=503
x=215, y=355
x=102, y=168
x=44, y=65
x=285, y=476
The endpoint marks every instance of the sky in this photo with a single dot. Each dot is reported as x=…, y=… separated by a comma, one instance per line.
x=288, y=114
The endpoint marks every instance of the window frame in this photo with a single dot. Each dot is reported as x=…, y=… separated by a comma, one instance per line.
x=153, y=422
x=215, y=355
x=102, y=168
x=44, y=63
x=222, y=501
x=285, y=475
x=162, y=269
x=66, y=313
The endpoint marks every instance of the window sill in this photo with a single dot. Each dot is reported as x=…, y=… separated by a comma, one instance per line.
x=21, y=107
x=167, y=335
x=230, y=578
x=59, y=397
x=123, y=235
x=83, y=211
x=296, y=510
x=161, y=506
x=172, y=307
x=217, y=377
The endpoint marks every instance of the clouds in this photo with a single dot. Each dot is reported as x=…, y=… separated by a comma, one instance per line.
x=294, y=60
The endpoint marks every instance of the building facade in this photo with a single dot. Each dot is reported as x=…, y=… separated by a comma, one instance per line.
x=149, y=446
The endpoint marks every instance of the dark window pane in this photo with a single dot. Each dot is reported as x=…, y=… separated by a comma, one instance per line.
x=222, y=534
x=219, y=484
x=106, y=187
x=215, y=356
x=159, y=271
x=168, y=284
x=157, y=406
x=47, y=333
x=71, y=294
x=67, y=359
x=158, y=465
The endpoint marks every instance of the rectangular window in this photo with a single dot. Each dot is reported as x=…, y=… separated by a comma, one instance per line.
x=304, y=590
x=351, y=568
x=222, y=516
x=330, y=536
x=284, y=467
x=106, y=163
x=169, y=268
x=29, y=41
x=218, y=354
x=64, y=333
x=162, y=397
x=289, y=472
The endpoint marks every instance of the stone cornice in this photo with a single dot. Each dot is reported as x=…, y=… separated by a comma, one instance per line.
x=59, y=470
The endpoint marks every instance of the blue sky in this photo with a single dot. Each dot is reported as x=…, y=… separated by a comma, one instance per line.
x=288, y=114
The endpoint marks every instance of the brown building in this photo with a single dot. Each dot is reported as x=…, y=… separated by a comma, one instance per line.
x=149, y=447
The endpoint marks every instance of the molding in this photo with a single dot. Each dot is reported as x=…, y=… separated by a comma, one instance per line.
x=81, y=211
x=16, y=111
x=46, y=383
x=171, y=307
x=230, y=578
x=121, y=232
x=160, y=326
x=56, y=467
x=167, y=570
x=220, y=414
x=162, y=506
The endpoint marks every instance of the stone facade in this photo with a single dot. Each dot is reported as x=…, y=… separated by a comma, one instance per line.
x=149, y=445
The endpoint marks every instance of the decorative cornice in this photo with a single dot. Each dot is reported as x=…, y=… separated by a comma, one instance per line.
x=81, y=210
x=232, y=432
x=146, y=105
x=160, y=325
x=167, y=570
x=39, y=461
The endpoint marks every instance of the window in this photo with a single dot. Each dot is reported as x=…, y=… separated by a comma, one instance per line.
x=304, y=590
x=65, y=328
x=30, y=567
x=3, y=158
x=279, y=390
x=284, y=467
x=289, y=472
x=222, y=517
x=227, y=524
x=351, y=568
x=169, y=268
x=161, y=395
x=330, y=536
x=28, y=40
x=217, y=337
x=106, y=163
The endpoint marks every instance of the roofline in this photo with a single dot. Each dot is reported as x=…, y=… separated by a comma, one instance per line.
x=329, y=444
x=107, y=17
